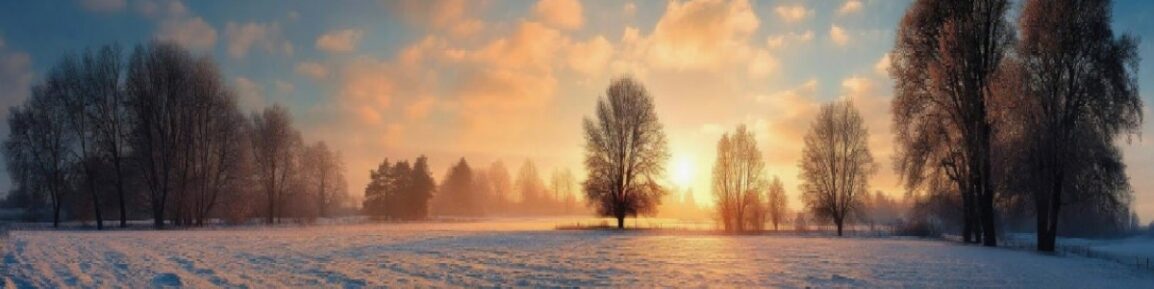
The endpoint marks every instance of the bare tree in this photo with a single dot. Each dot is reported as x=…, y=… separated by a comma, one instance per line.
x=1081, y=92
x=38, y=144
x=323, y=172
x=530, y=186
x=625, y=152
x=739, y=181
x=563, y=185
x=836, y=162
x=945, y=60
x=502, y=186
x=274, y=144
x=109, y=115
x=776, y=202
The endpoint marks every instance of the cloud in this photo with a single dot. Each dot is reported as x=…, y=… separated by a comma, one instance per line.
x=702, y=34
x=563, y=14
x=340, y=41
x=180, y=26
x=590, y=57
x=882, y=67
x=104, y=5
x=630, y=9
x=838, y=35
x=762, y=65
x=850, y=6
x=284, y=88
x=782, y=40
x=266, y=36
x=312, y=69
x=793, y=13
x=193, y=33
x=250, y=95
x=450, y=16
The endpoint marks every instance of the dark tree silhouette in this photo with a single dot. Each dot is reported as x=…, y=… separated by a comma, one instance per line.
x=944, y=64
x=625, y=153
x=836, y=163
x=37, y=148
x=1081, y=91
x=739, y=181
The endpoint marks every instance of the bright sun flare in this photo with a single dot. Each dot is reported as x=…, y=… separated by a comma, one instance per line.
x=683, y=172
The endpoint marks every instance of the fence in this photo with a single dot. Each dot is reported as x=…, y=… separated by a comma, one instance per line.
x=1141, y=262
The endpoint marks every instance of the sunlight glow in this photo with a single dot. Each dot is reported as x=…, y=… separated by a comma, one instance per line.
x=682, y=172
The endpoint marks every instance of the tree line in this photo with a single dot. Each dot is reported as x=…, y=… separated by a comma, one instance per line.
x=159, y=135
x=401, y=191
x=1000, y=121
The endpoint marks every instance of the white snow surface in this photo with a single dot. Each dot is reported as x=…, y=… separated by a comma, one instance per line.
x=523, y=253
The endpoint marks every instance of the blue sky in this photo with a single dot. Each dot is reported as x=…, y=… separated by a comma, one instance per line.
x=511, y=80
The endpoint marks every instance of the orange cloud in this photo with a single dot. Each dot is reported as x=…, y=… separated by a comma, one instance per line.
x=267, y=36
x=792, y=13
x=703, y=34
x=563, y=14
x=340, y=41
x=838, y=35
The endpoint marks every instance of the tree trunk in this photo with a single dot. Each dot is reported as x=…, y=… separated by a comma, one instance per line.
x=838, y=223
x=620, y=222
x=95, y=200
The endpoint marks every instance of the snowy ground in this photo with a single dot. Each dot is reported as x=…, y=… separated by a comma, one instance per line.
x=526, y=254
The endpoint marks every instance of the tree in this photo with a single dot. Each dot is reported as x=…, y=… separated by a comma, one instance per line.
x=562, y=183
x=1081, y=92
x=945, y=61
x=739, y=181
x=275, y=143
x=36, y=150
x=420, y=189
x=456, y=194
x=102, y=98
x=377, y=191
x=625, y=152
x=530, y=186
x=836, y=163
x=323, y=171
x=502, y=186
x=776, y=200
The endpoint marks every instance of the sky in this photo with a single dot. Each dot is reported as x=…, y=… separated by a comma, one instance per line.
x=512, y=80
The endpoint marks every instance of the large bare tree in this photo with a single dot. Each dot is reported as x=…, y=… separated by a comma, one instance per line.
x=625, y=152
x=323, y=173
x=836, y=163
x=739, y=181
x=1081, y=92
x=946, y=58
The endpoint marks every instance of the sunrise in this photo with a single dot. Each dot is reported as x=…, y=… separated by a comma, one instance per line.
x=576, y=143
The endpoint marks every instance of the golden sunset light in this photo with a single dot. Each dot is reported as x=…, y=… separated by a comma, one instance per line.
x=576, y=144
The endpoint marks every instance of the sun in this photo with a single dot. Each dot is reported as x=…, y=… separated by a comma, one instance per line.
x=682, y=172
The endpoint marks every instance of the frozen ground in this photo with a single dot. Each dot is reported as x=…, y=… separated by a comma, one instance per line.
x=526, y=254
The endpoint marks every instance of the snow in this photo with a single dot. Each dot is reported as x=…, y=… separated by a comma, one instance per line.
x=527, y=253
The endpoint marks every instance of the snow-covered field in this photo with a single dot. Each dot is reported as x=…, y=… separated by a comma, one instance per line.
x=526, y=254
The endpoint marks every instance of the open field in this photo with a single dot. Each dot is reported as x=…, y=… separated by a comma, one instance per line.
x=527, y=253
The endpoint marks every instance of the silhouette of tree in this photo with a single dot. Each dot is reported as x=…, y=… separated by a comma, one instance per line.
x=836, y=163
x=455, y=196
x=37, y=148
x=1081, y=91
x=944, y=64
x=625, y=153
